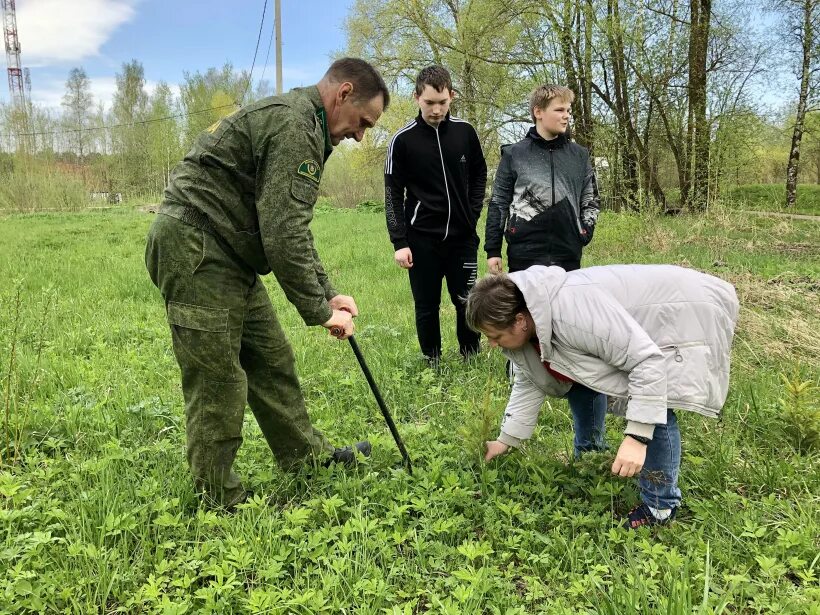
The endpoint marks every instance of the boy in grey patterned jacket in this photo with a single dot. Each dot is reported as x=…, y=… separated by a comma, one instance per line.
x=545, y=202
x=545, y=197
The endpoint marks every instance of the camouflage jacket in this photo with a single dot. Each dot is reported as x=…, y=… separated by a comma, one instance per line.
x=255, y=175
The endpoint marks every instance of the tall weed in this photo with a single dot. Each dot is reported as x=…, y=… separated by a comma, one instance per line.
x=801, y=414
x=477, y=429
x=31, y=188
x=21, y=379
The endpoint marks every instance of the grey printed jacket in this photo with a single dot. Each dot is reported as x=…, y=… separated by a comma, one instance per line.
x=545, y=203
x=656, y=336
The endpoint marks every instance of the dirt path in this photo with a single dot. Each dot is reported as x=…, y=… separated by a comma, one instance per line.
x=778, y=214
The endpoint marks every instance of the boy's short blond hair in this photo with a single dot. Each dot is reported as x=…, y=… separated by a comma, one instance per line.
x=541, y=96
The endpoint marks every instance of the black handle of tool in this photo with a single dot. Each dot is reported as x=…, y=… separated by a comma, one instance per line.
x=336, y=332
x=382, y=405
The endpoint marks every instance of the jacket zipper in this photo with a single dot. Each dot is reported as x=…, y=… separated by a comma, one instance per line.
x=677, y=347
x=446, y=190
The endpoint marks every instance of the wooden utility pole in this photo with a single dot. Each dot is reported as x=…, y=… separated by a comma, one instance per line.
x=278, y=20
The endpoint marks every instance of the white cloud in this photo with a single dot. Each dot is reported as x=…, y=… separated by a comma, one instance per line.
x=53, y=31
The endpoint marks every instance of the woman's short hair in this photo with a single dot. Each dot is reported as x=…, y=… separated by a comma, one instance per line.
x=494, y=300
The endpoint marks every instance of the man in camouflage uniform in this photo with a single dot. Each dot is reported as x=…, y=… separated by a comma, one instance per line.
x=239, y=206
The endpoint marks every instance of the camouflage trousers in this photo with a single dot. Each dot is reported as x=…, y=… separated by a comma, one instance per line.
x=231, y=350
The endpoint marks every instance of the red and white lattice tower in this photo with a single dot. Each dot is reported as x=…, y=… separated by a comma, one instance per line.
x=16, y=90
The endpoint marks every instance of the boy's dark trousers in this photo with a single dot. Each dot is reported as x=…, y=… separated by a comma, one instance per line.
x=454, y=259
x=514, y=266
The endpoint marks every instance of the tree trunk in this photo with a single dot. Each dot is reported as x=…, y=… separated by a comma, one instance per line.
x=634, y=154
x=585, y=82
x=698, y=130
x=573, y=27
x=469, y=106
x=797, y=135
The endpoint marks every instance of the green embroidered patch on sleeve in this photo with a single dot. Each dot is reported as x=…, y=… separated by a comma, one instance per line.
x=311, y=169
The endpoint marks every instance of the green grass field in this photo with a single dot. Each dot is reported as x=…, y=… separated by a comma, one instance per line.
x=772, y=197
x=97, y=512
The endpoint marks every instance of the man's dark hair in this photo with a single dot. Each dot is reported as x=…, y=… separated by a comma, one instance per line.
x=437, y=77
x=366, y=80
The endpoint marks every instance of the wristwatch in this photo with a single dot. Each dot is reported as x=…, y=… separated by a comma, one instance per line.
x=642, y=439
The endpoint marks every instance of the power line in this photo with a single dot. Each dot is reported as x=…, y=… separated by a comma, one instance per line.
x=123, y=125
x=255, y=51
x=158, y=119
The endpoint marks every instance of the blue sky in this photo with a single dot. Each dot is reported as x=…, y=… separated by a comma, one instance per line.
x=169, y=37
x=172, y=36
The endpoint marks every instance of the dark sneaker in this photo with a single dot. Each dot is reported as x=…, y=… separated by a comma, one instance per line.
x=347, y=456
x=641, y=515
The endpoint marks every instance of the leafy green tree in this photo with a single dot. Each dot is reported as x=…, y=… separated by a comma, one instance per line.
x=77, y=104
x=801, y=22
x=205, y=98
x=129, y=136
x=164, y=148
x=478, y=41
x=811, y=148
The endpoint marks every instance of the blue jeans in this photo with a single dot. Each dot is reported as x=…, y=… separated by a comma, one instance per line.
x=659, y=478
x=588, y=409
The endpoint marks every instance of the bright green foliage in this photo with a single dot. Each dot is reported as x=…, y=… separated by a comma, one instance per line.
x=163, y=147
x=801, y=413
x=482, y=427
x=130, y=137
x=28, y=183
x=482, y=43
x=770, y=197
x=205, y=98
x=97, y=513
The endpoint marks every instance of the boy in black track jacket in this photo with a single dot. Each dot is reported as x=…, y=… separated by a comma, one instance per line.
x=434, y=180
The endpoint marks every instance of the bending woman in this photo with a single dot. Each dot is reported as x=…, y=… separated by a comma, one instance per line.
x=654, y=337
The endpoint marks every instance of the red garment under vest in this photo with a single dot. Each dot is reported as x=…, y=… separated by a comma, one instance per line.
x=559, y=377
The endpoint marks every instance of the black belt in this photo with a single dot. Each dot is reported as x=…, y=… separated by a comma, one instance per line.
x=193, y=217
x=188, y=215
